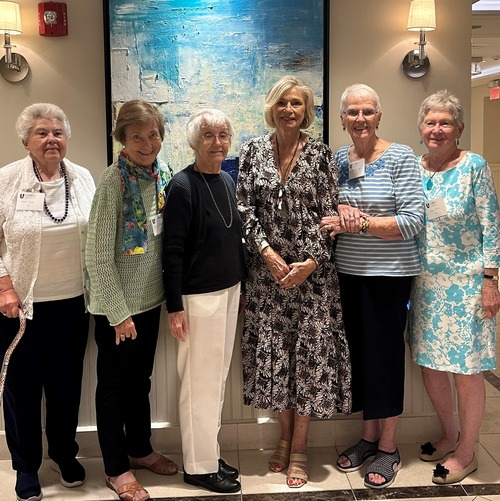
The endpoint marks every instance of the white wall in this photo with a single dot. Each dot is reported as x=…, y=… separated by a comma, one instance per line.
x=67, y=71
x=368, y=43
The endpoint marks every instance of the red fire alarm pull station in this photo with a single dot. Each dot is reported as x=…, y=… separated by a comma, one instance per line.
x=52, y=19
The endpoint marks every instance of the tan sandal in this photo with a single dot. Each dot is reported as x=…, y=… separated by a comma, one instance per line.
x=281, y=456
x=162, y=466
x=298, y=469
x=128, y=491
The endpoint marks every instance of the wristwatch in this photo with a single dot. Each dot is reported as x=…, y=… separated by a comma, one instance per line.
x=491, y=277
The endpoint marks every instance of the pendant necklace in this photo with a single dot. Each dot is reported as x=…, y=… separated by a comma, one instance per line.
x=285, y=175
x=429, y=181
x=430, y=184
x=215, y=203
x=57, y=220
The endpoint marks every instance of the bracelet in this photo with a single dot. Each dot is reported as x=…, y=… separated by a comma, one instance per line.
x=263, y=244
x=364, y=225
x=491, y=277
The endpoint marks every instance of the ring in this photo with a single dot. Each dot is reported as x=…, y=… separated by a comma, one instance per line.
x=294, y=285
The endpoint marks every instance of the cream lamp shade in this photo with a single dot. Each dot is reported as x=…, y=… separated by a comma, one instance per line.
x=422, y=16
x=10, y=18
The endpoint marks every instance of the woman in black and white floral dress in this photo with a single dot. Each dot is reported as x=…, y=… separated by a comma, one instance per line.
x=295, y=354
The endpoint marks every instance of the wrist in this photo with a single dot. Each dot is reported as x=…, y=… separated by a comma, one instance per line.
x=490, y=277
x=365, y=224
x=264, y=244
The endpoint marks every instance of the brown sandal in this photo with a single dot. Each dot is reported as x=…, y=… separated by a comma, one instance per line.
x=127, y=492
x=298, y=469
x=162, y=466
x=281, y=456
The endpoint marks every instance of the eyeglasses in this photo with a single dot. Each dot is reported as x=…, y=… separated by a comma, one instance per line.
x=354, y=113
x=210, y=137
x=430, y=124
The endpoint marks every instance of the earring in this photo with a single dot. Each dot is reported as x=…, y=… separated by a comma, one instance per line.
x=421, y=141
x=343, y=128
x=458, y=142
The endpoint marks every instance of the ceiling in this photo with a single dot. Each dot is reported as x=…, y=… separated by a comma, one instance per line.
x=486, y=40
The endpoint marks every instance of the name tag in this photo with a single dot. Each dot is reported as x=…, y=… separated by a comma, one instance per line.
x=357, y=169
x=30, y=200
x=157, y=224
x=436, y=208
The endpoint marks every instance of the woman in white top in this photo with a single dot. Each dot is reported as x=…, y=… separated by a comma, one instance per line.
x=44, y=210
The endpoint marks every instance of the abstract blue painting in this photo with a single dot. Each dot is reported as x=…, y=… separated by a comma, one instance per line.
x=185, y=55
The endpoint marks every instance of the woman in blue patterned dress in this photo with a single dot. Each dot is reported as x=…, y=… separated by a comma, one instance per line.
x=295, y=355
x=456, y=298
x=381, y=211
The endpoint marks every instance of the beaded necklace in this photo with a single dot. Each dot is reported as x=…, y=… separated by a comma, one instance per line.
x=57, y=220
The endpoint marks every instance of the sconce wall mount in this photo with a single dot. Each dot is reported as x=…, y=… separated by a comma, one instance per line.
x=13, y=66
x=422, y=18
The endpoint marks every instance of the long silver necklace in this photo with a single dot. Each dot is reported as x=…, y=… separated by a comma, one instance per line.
x=215, y=203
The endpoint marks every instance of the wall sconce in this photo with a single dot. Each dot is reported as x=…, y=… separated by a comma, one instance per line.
x=13, y=67
x=476, y=66
x=422, y=18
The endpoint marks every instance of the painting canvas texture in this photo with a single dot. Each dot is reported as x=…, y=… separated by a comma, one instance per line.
x=226, y=54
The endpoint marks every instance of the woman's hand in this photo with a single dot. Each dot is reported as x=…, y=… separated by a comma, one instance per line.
x=177, y=322
x=125, y=330
x=350, y=218
x=9, y=302
x=298, y=273
x=490, y=298
x=276, y=264
x=331, y=224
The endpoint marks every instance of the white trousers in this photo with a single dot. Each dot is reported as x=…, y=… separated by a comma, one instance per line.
x=203, y=364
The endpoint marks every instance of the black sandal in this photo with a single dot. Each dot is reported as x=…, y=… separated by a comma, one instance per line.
x=385, y=464
x=357, y=455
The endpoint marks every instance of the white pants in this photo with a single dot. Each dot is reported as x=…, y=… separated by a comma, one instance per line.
x=203, y=364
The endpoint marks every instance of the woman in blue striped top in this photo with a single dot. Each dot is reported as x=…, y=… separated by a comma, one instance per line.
x=380, y=212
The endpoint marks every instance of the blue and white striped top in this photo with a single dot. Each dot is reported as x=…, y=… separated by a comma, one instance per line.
x=391, y=186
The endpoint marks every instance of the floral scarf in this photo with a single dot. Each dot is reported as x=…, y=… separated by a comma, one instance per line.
x=135, y=218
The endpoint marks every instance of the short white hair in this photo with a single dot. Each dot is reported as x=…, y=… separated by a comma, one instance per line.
x=207, y=117
x=34, y=112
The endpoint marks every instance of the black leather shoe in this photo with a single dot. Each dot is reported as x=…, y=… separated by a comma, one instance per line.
x=28, y=487
x=228, y=470
x=72, y=473
x=215, y=482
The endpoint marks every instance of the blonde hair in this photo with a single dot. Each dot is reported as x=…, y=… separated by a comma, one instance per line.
x=275, y=93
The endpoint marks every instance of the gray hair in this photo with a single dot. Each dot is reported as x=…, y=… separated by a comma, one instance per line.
x=275, y=93
x=442, y=100
x=34, y=112
x=207, y=117
x=361, y=91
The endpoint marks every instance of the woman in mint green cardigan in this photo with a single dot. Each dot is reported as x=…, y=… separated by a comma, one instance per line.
x=123, y=254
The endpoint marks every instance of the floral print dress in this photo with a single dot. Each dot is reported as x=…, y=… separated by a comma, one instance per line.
x=448, y=330
x=294, y=349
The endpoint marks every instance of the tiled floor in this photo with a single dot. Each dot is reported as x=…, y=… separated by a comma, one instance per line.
x=326, y=483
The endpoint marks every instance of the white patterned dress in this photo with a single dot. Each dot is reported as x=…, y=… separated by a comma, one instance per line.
x=448, y=330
